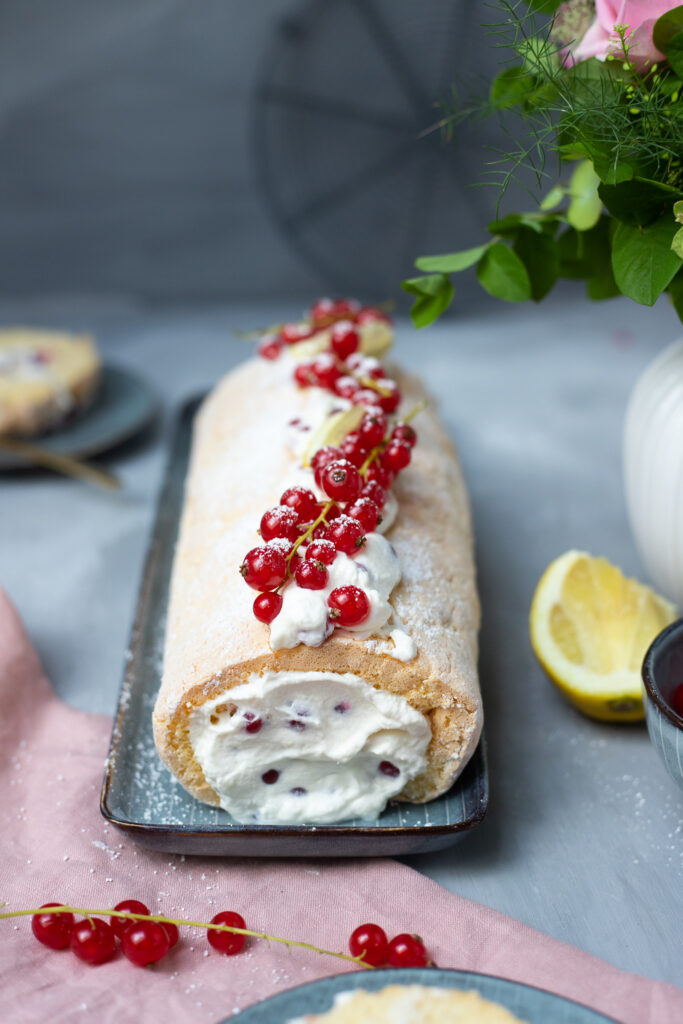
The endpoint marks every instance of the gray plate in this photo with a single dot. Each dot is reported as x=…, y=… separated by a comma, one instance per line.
x=141, y=797
x=123, y=406
x=532, y=1005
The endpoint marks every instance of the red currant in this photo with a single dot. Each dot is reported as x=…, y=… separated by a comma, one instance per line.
x=264, y=568
x=372, y=490
x=93, y=940
x=311, y=575
x=270, y=346
x=345, y=339
x=346, y=387
x=370, y=314
x=321, y=312
x=302, y=501
x=324, y=455
x=372, y=429
x=280, y=521
x=346, y=534
x=303, y=375
x=227, y=942
x=370, y=940
x=325, y=371
x=321, y=551
x=407, y=951
x=369, y=398
x=390, y=402
x=381, y=474
x=354, y=449
x=373, y=368
x=366, y=512
x=349, y=606
x=396, y=456
x=291, y=333
x=145, y=942
x=172, y=933
x=345, y=309
x=267, y=607
x=119, y=924
x=341, y=481
x=404, y=432
x=53, y=930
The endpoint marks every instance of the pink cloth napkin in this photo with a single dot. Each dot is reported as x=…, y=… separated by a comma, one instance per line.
x=55, y=846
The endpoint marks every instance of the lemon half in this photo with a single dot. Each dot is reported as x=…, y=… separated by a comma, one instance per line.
x=590, y=628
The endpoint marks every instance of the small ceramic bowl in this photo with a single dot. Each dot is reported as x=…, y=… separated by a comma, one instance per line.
x=663, y=679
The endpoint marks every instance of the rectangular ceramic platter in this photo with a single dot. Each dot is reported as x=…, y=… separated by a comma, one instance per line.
x=143, y=799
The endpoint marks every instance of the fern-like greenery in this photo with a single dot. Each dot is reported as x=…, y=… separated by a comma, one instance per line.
x=621, y=121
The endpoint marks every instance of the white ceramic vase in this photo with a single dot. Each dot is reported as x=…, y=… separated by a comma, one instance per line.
x=653, y=470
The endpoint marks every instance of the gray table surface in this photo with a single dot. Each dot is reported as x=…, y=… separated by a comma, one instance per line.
x=584, y=835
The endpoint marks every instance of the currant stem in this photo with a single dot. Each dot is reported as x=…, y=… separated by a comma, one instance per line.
x=309, y=532
x=414, y=411
x=89, y=912
x=371, y=383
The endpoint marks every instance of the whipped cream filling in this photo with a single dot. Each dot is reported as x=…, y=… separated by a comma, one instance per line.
x=318, y=747
x=304, y=618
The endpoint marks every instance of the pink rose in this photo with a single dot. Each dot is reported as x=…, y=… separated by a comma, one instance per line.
x=640, y=17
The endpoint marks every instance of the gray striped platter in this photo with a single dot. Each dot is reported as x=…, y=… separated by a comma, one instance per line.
x=141, y=797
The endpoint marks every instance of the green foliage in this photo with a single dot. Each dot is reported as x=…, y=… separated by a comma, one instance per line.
x=503, y=275
x=452, y=262
x=510, y=87
x=545, y=6
x=642, y=259
x=676, y=293
x=539, y=254
x=635, y=202
x=585, y=206
x=433, y=295
x=615, y=222
x=667, y=36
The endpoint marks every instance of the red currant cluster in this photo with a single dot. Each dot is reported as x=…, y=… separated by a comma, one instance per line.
x=342, y=369
x=354, y=477
x=142, y=942
x=146, y=942
x=371, y=942
x=322, y=314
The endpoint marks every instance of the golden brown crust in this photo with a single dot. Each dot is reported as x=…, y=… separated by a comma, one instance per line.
x=239, y=467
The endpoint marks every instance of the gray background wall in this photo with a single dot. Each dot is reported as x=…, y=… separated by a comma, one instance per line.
x=125, y=131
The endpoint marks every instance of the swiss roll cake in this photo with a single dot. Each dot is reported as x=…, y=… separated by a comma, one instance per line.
x=321, y=644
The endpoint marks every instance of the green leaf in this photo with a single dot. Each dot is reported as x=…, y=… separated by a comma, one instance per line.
x=571, y=250
x=634, y=202
x=544, y=6
x=434, y=295
x=452, y=262
x=598, y=253
x=678, y=211
x=539, y=255
x=674, y=54
x=609, y=172
x=642, y=259
x=675, y=290
x=667, y=27
x=554, y=198
x=502, y=274
x=511, y=87
x=677, y=243
x=585, y=206
x=538, y=222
